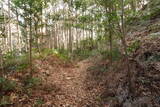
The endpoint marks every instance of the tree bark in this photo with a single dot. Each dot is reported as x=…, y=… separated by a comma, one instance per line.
x=17, y=26
x=9, y=27
x=1, y=62
x=131, y=89
x=70, y=31
x=30, y=45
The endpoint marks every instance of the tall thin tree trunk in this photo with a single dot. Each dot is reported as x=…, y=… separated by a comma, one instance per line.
x=36, y=33
x=1, y=64
x=30, y=45
x=55, y=36
x=110, y=34
x=9, y=27
x=70, y=31
x=131, y=89
x=92, y=33
x=17, y=26
x=52, y=36
x=4, y=41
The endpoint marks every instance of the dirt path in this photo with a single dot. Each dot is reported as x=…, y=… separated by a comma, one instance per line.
x=69, y=84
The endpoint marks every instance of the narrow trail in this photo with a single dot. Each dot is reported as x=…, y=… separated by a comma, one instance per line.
x=71, y=82
x=70, y=86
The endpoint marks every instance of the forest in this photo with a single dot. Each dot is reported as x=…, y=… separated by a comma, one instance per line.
x=79, y=53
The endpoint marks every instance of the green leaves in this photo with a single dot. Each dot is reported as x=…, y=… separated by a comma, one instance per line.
x=31, y=82
x=84, y=19
x=30, y=7
x=78, y=4
x=6, y=85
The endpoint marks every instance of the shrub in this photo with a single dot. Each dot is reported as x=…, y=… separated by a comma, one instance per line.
x=15, y=61
x=31, y=82
x=63, y=54
x=5, y=101
x=7, y=85
x=38, y=103
x=81, y=54
x=116, y=54
x=135, y=45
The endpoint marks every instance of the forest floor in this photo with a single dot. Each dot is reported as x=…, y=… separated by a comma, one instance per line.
x=62, y=85
x=89, y=83
x=70, y=84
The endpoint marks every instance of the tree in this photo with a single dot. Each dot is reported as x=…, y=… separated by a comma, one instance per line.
x=30, y=9
x=9, y=26
x=2, y=35
x=130, y=85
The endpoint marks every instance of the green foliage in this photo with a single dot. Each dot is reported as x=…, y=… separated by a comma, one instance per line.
x=133, y=20
x=46, y=52
x=7, y=85
x=116, y=54
x=151, y=11
x=85, y=18
x=87, y=44
x=56, y=16
x=15, y=60
x=81, y=54
x=31, y=82
x=63, y=54
x=87, y=49
x=154, y=58
x=134, y=46
x=77, y=4
x=4, y=101
x=2, y=27
x=43, y=53
x=38, y=103
x=154, y=6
